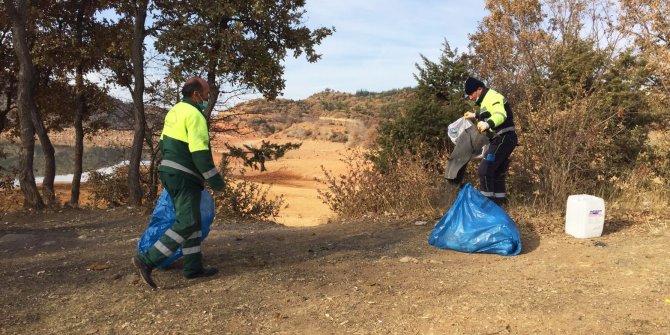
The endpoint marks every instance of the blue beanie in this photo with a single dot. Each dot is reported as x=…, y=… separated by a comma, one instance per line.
x=472, y=84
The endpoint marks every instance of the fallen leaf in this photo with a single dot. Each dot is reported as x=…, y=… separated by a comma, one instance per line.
x=98, y=267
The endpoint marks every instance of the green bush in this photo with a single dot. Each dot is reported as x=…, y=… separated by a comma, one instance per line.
x=422, y=127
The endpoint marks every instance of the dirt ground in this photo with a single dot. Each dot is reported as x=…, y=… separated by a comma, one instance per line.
x=295, y=177
x=69, y=272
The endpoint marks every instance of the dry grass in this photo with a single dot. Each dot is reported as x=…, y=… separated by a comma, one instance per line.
x=111, y=190
x=245, y=200
x=406, y=189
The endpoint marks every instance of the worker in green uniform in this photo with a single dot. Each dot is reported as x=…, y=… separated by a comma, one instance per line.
x=187, y=164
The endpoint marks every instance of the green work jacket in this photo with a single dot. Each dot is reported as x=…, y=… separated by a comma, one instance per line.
x=185, y=146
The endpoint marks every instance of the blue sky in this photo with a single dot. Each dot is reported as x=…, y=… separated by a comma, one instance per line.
x=377, y=42
x=374, y=47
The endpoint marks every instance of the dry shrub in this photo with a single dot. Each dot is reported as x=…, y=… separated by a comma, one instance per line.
x=571, y=150
x=241, y=198
x=6, y=176
x=551, y=162
x=111, y=190
x=405, y=189
x=245, y=200
x=6, y=182
x=645, y=187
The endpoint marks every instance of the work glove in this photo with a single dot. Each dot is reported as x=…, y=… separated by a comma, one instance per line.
x=216, y=183
x=469, y=115
x=482, y=126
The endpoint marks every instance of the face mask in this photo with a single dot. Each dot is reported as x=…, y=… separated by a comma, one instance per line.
x=203, y=105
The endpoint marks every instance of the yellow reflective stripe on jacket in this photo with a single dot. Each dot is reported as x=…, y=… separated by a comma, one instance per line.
x=186, y=123
x=494, y=103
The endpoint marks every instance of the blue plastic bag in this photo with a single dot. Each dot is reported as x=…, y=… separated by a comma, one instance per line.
x=164, y=217
x=476, y=224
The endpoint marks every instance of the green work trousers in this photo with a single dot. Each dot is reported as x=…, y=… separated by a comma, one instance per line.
x=186, y=231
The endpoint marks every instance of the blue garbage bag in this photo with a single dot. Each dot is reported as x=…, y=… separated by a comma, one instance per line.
x=164, y=217
x=476, y=224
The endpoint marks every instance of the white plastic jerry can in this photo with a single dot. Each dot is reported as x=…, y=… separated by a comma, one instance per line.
x=584, y=216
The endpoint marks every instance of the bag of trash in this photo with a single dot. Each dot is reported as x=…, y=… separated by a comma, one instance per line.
x=475, y=224
x=164, y=217
x=456, y=128
x=471, y=144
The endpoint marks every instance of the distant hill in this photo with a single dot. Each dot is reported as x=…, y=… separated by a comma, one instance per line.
x=270, y=116
x=121, y=117
x=266, y=117
x=328, y=115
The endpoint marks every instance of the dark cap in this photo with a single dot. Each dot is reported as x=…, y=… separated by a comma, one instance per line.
x=472, y=84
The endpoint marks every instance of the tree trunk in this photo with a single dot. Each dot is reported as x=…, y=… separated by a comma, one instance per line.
x=213, y=92
x=31, y=197
x=154, y=156
x=79, y=138
x=25, y=103
x=153, y=166
x=49, y=159
x=137, y=58
x=79, y=116
x=7, y=108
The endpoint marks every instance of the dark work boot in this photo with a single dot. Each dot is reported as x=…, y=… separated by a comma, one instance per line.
x=205, y=272
x=145, y=271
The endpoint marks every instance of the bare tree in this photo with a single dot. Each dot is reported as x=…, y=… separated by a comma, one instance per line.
x=648, y=23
